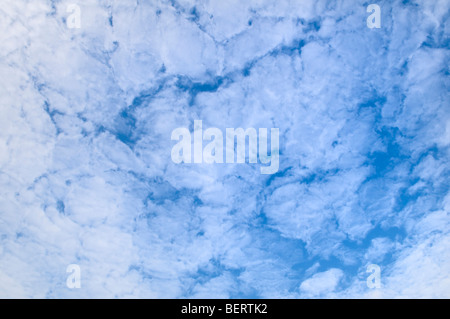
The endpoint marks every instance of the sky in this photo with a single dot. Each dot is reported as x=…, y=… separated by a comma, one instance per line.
x=91, y=91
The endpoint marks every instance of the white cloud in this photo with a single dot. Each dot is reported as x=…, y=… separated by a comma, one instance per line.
x=378, y=249
x=85, y=169
x=321, y=283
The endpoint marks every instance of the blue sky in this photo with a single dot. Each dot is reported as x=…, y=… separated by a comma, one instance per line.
x=86, y=175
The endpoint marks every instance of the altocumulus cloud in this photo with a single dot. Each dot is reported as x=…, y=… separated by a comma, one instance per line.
x=86, y=176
